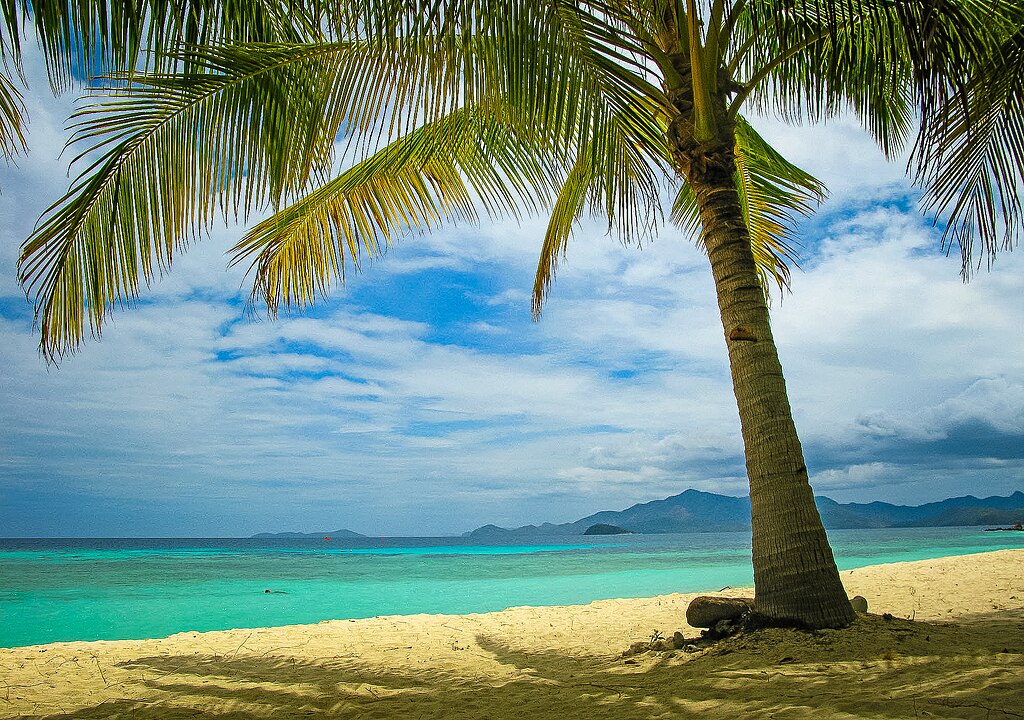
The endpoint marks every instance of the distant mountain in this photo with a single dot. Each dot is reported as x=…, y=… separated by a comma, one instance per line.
x=291, y=535
x=690, y=511
x=967, y=510
x=696, y=511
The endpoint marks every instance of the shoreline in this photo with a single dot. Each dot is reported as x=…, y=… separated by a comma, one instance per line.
x=140, y=617
x=956, y=638
x=904, y=599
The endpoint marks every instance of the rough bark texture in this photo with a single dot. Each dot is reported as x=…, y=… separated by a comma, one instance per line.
x=795, y=575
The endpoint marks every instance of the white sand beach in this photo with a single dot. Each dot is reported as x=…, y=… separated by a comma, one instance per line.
x=953, y=648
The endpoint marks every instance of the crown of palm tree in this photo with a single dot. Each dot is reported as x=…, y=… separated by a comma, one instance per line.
x=361, y=121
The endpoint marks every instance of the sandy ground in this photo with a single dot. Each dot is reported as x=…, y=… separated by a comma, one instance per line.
x=954, y=649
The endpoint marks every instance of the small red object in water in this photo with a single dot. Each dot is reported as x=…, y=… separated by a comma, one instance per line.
x=326, y=538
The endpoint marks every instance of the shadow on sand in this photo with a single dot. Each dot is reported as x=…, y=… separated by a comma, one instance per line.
x=877, y=669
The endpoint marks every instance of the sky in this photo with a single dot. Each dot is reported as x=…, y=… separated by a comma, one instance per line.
x=421, y=399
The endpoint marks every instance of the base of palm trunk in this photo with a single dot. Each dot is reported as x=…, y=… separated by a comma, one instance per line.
x=818, y=619
x=814, y=600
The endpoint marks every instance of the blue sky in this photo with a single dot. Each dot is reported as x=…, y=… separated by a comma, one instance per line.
x=421, y=399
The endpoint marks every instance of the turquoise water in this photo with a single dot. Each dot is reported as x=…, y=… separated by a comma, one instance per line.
x=52, y=590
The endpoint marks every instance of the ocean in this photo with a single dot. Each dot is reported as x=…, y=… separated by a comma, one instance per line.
x=108, y=589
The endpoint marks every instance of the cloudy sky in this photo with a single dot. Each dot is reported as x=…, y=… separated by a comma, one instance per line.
x=421, y=399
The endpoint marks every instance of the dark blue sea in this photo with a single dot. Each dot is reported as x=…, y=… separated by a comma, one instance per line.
x=80, y=589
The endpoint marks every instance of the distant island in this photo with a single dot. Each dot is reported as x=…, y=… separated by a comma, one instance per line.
x=1019, y=527
x=696, y=511
x=294, y=535
x=603, y=529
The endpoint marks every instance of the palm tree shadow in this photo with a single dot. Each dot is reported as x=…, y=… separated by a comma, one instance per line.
x=878, y=669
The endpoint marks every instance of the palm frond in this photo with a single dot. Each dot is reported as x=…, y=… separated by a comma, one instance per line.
x=468, y=162
x=565, y=213
x=87, y=38
x=12, y=119
x=970, y=159
x=812, y=59
x=617, y=177
x=774, y=194
x=564, y=83
x=243, y=127
x=163, y=157
x=238, y=127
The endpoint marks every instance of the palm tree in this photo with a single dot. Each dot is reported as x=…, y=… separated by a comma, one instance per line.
x=449, y=109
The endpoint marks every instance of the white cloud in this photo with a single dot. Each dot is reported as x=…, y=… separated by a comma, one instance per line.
x=867, y=476
x=882, y=323
x=993, y=402
x=840, y=154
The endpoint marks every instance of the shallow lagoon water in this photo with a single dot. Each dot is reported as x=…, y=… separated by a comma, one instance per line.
x=80, y=589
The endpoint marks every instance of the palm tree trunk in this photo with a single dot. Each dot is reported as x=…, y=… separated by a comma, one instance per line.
x=795, y=575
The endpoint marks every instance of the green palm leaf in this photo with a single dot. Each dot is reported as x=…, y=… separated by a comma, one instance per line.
x=813, y=59
x=164, y=156
x=12, y=119
x=972, y=157
x=244, y=126
x=617, y=177
x=451, y=169
x=87, y=37
x=566, y=212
